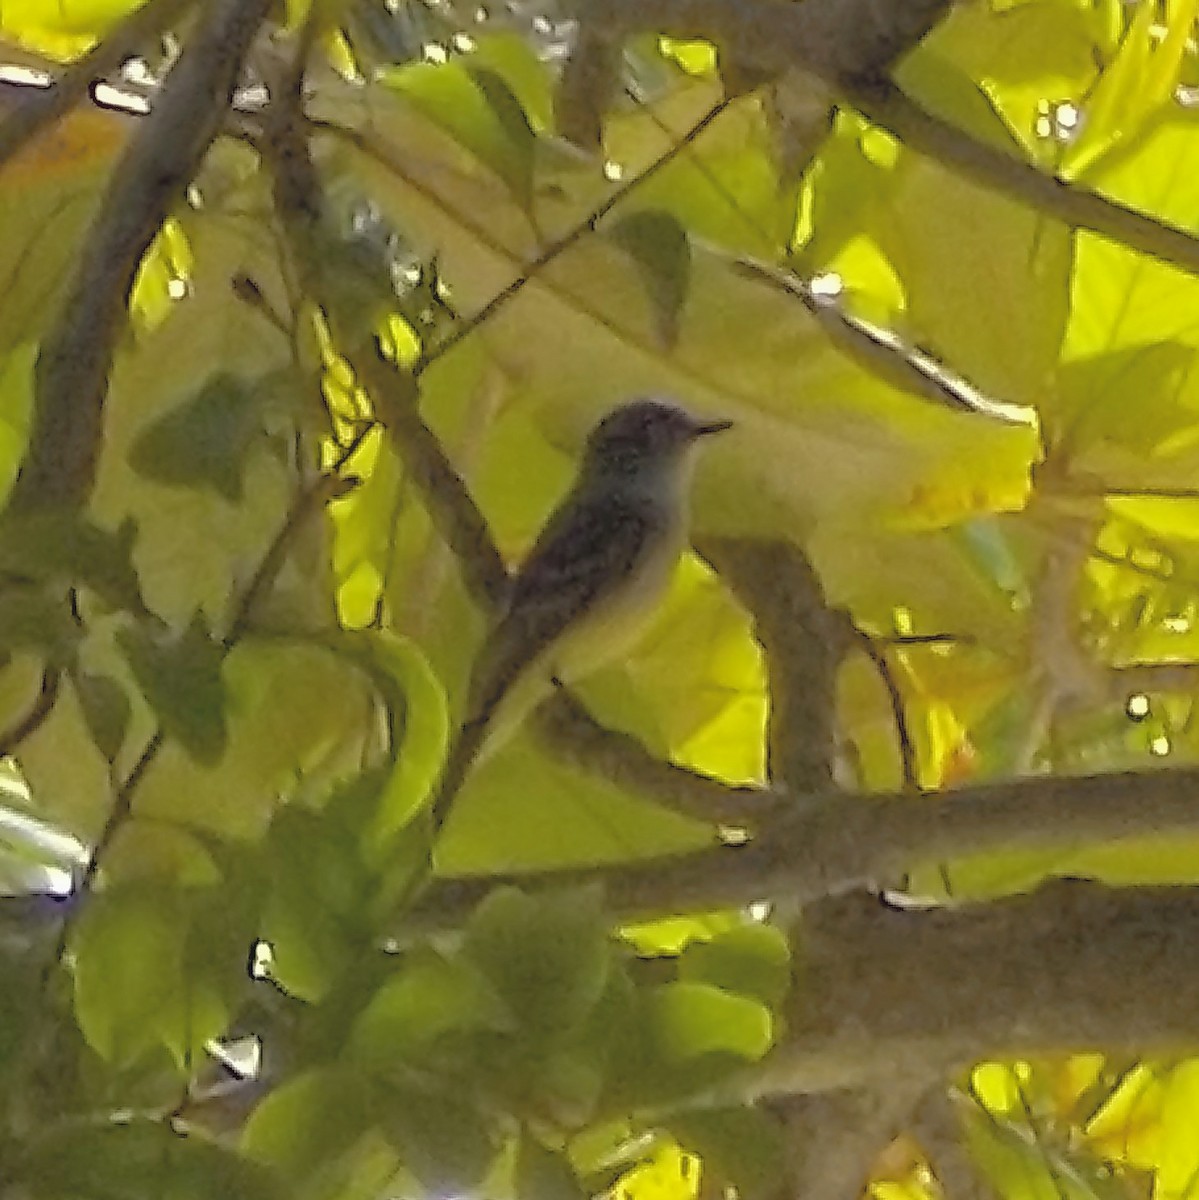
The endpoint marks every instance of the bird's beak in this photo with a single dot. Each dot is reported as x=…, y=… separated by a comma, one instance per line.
x=707, y=427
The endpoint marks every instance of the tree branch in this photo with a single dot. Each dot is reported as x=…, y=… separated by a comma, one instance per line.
x=852, y=44
x=834, y=843
x=576, y=737
x=938, y=1129
x=835, y=39
x=39, y=710
x=45, y=106
x=921, y=131
x=835, y=1138
x=804, y=643
x=1071, y=968
x=74, y=362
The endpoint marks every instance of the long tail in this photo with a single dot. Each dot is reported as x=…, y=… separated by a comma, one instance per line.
x=493, y=678
x=463, y=751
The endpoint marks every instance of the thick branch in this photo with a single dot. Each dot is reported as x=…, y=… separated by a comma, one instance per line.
x=938, y=1129
x=1072, y=968
x=835, y=1138
x=835, y=843
x=835, y=39
x=73, y=366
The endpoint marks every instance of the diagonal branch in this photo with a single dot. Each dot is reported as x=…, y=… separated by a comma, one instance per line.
x=44, y=107
x=852, y=44
x=75, y=359
x=1078, y=207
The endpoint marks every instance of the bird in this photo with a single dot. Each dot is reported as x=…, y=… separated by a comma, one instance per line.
x=591, y=581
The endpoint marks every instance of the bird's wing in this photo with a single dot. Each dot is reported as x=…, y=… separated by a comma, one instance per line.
x=586, y=550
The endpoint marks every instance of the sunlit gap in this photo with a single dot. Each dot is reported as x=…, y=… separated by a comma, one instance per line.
x=24, y=837
x=241, y=1056
x=24, y=76
x=1062, y=121
x=262, y=958
x=107, y=96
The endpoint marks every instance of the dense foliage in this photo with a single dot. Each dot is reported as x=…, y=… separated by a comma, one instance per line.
x=306, y=310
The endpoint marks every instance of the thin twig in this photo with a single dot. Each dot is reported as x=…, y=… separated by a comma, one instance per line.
x=884, y=354
x=903, y=734
x=325, y=487
x=534, y=266
x=328, y=486
x=560, y=245
x=41, y=708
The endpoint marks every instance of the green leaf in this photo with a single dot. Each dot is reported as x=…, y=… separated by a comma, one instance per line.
x=300, y=719
x=528, y=77
x=442, y=1140
x=420, y=729
x=1018, y=1164
x=204, y=442
x=512, y=117
x=66, y=548
x=313, y=916
x=690, y=1020
x=128, y=951
x=548, y=956
x=133, y=988
x=1178, y=1161
x=364, y=523
x=1136, y=84
x=308, y=1122
x=16, y=409
x=751, y=960
x=430, y=1001
x=18, y=1000
x=476, y=108
x=106, y=710
x=741, y=1147
x=545, y=1174
x=182, y=682
x=34, y=618
x=659, y=245
x=141, y=1158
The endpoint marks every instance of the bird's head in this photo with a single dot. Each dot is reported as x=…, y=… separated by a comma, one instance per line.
x=646, y=432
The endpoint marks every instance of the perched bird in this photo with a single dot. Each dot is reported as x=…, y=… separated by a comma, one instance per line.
x=593, y=578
